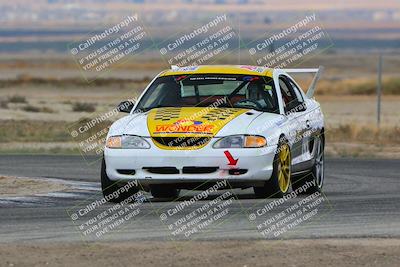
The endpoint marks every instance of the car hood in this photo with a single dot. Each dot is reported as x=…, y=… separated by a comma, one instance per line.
x=191, y=121
x=186, y=122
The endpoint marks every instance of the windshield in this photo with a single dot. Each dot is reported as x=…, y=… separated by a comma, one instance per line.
x=230, y=91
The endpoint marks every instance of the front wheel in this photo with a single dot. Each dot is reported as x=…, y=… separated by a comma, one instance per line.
x=278, y=185
x=111, y=189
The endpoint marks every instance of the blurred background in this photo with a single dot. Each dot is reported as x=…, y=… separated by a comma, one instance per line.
x=43, y=90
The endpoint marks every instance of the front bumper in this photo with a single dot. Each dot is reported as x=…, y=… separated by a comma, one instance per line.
x=256, y=162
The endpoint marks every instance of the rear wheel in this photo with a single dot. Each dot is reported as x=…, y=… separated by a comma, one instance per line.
x=111, y=189
x=164, y=191
x=313, y=181
x=278, y=185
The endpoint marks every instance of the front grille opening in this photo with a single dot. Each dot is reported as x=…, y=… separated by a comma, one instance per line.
x=126, y=171
x=237, y=171
x=194, y=170
x=162, y=170
x=182, y=141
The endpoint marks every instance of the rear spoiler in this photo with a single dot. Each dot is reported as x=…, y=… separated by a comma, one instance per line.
x=318, y=73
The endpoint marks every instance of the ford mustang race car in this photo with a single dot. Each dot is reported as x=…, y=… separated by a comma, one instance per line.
x=195, y=126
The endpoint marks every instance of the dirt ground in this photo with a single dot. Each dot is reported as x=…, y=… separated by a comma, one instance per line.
x=13, y=186
x=322, y=252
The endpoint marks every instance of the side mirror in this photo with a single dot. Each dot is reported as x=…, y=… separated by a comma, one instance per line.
x=126, y=106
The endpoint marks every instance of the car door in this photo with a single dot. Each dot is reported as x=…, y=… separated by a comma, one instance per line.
x=295, y=111
x=313, y=124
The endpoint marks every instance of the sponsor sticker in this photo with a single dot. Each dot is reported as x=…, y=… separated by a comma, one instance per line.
x=184, y=126
x=253, y=68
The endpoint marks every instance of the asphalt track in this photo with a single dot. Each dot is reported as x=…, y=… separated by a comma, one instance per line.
x=361, y=199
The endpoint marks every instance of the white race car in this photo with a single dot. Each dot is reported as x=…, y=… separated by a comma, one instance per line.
x=196, y=126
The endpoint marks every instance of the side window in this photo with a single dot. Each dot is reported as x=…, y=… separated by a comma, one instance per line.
x=296, y=91
x=287, y=97
x=292, y=97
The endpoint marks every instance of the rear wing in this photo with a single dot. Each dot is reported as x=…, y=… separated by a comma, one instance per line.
x=318, y=73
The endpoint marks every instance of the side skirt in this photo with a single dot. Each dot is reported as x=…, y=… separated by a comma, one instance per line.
x=302, y=167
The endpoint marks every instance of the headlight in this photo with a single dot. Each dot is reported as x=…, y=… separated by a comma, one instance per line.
x=114, y=142
x=127, y=141
x=241, y=141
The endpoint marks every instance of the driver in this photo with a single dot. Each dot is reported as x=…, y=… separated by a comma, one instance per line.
x=252, y=92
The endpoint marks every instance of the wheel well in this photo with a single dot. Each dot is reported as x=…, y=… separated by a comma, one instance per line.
x=282, y=138
x=322, y=134
x=311, y=141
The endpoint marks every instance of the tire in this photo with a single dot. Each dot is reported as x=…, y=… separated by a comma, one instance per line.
x=164, y=191
x=278, y=185
x=108, y=187
x=313, y=181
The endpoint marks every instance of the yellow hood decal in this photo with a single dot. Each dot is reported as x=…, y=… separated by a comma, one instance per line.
x=167, y=125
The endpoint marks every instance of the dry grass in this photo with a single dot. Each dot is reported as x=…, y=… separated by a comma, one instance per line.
x=27, y=80
x=68, y=63
x=43, y=131
x=3, y=104
x=17, y=99
x=83, y=107
x=364, y=134
x=362, y=150
x=389, y=86
x=36, y=131
x=30, y=108
x=353, y=86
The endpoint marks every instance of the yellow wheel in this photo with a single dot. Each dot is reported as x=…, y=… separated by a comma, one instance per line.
x=284, y=168
x=279, y=182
